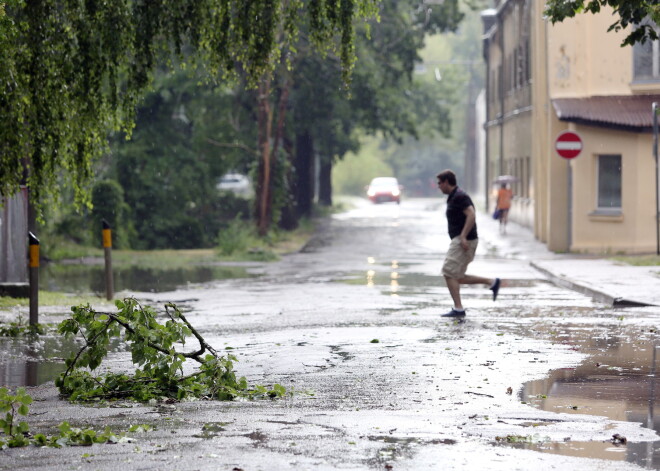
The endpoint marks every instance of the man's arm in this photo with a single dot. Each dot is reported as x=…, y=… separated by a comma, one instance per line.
x=470, y=218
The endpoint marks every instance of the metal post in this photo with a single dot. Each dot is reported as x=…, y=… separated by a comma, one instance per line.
x=657, y=186
x=569, y=223
x=34, y=278
x=107, y=248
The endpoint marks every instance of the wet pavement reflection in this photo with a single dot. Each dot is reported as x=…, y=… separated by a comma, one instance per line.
x=618, y=381
x=70, y=278
x=32, y=360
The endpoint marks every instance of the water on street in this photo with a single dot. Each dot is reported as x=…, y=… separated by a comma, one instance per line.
x=542, y=378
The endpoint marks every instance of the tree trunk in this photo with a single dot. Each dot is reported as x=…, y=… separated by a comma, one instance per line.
x=264, y=197
x=304, y=165
x=289, y=218
x=325, y=181
x=268, y=149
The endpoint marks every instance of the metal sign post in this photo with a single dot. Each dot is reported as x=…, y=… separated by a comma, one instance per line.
x=568, y=146
x=657, y=186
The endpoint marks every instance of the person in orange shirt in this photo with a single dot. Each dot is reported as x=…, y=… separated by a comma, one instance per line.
x=504, y=196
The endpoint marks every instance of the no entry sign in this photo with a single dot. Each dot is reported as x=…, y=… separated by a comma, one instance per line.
x=568, y=145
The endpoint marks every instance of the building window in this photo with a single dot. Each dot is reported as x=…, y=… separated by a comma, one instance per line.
x=609, y=182
x=646, y=61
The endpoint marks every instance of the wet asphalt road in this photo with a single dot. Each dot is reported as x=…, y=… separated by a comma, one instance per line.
x=351, y=325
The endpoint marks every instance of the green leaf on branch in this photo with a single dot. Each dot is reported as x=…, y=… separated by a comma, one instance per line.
x=157, y=350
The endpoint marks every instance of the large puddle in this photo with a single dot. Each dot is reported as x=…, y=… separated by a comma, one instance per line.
x=91, y=278
x=618, y=381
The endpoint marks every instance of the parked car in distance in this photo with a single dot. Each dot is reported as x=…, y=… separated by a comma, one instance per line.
x=383, y=189
x=235, y=183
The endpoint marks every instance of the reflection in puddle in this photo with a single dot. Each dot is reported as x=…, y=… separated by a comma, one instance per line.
x=393, y=282
x=14, y=373
x=32, y=362
x=91, y=278
x=414, y=280
x=618, y=381
x=601, y=450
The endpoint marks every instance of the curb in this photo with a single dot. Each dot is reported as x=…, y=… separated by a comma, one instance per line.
x=595, y=294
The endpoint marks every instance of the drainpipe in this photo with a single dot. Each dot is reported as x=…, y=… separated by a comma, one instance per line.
x=485, y=127
x=500, y=28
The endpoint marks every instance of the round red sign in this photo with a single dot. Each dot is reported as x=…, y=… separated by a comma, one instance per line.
x=568, y=145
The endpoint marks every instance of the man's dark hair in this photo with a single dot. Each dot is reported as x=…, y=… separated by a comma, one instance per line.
x=447, y=176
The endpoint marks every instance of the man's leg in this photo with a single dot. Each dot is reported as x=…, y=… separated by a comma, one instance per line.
x=493, y=284
x=475, y=280
x=454, y=287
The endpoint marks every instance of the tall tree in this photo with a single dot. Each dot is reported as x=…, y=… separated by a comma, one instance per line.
x=383, y=97
x=73, y=70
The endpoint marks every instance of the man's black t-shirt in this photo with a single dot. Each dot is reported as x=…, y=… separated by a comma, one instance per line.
x=457, y=202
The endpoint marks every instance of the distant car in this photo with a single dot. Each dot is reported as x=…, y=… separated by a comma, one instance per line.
x=383, y=189
x=236, y=183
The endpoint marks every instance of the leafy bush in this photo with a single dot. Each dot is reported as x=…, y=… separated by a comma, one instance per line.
x=236, y=237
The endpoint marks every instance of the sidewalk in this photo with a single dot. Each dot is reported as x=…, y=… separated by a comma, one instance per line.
x=605, y=280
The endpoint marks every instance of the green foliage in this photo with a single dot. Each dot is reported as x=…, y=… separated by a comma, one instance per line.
x=639, y=260
x=157, y=352
x=239, y=239
x=74, y=436
x=236, y=237
x=48, y=298
x=72, y=71
x=19, y=329
x=436, y=112
x=164, y=181
x=355, y=171
x=185, y=139
x=108, y=204
x=515, y=439
x=17, y=434
x=13, y=406
x=631, y=15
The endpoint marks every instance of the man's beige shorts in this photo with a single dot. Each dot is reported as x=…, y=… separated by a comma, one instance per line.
x=458, y=259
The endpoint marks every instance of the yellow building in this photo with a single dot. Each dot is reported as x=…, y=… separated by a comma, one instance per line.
x=543, y=79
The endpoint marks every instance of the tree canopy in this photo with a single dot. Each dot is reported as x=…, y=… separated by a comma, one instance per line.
x=72, y=70
x=629, y=13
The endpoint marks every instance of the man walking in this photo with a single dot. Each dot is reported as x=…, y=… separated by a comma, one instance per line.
x=461, y=221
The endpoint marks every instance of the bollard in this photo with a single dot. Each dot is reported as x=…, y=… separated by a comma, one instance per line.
x=107, y=248
x=34, y=278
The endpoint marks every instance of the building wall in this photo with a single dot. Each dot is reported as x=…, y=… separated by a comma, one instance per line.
x=14, y=238
x=632, y=230
x=578, y=58
x=586, y=60
x=509, y=125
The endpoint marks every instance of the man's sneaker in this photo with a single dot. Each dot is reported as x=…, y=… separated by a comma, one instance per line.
x=454, y=313
x=495, y=288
